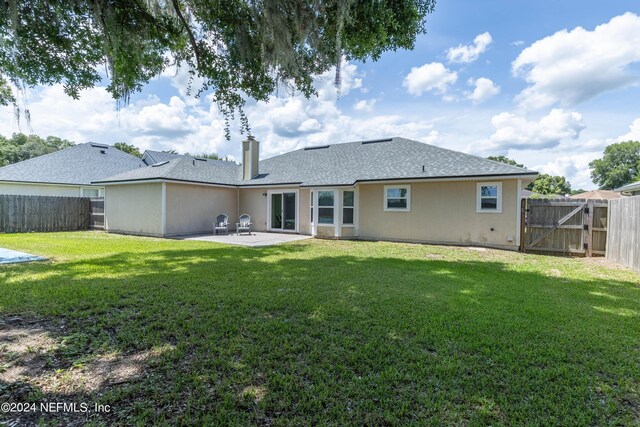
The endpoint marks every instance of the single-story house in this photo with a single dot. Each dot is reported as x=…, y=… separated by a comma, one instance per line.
x=385, y=189
x=632, y=189
x=69, y=172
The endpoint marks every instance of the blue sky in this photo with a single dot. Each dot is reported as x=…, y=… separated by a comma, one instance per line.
x=549, y=84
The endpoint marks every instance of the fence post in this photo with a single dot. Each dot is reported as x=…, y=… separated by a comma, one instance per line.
x=588, y=228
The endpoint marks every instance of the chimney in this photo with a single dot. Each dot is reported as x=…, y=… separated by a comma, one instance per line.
x=250, y=158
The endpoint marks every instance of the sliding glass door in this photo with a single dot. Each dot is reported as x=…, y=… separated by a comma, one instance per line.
x=283, y=208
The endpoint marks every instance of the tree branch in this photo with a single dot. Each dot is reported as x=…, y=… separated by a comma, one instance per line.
x=192, y=38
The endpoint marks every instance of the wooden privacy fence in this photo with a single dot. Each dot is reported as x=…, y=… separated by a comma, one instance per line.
x=564, y=226
x=623, y=242
x=20, y=214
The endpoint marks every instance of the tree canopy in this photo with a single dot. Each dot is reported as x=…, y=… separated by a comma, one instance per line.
x=544, y=184
x=128, y=148
x=22, y=147
x=237, y=48
x=619, y=165
x=505, y=159
x=549, y=184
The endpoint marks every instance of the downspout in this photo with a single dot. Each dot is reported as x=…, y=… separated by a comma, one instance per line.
x=163, y=220
x=518, y=213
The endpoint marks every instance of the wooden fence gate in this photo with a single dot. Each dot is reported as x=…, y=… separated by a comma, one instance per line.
x=564, y=226
x=96, y=221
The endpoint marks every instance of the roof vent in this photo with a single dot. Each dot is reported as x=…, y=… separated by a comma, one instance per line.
x=103, y=152
x=317, y=147
x=160, y=164
x=202, y=159
x=375, y=141
x=96, y=145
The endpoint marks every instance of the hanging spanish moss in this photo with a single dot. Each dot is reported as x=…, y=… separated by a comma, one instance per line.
x=238, y=49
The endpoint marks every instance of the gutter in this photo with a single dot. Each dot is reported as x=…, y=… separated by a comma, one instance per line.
x=363, y=181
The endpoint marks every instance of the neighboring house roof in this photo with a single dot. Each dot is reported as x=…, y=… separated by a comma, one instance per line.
x=151, y=157
x=81, y=164
x=185, y=168
x=339, y=164
x=524, y=194
x=528, y=194
x=598, y=195
x=634, y=186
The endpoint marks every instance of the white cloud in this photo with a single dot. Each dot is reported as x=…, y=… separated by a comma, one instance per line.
x=517, y=43
x=569, y=67
x=574, y=167
x=515, y=132
x=634, y=132
x=365, y=105
x=429, y=77
x=484, y=89
x=469, y=53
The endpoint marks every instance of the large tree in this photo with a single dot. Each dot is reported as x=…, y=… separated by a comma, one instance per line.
x=550, y=184
x=22, y=147
x=237, y=48
x=619, y=165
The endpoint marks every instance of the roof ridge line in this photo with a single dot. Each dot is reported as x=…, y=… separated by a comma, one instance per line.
x=468, y=154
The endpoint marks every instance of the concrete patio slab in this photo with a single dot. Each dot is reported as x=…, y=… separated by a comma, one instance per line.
x=256, y=239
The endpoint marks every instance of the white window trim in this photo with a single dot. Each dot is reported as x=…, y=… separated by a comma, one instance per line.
x=317, y=206
x=479, y=198
x=284, y=190
x=100, y=191
x=342, y=207
x=406, y=187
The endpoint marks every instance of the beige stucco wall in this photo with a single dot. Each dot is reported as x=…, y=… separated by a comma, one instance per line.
x=134, y=209
x=305, y=211
x=192, y=209
x=253, y=202
x=40, y=190
x=441, y=212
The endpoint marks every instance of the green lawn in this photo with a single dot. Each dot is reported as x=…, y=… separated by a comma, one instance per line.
x=318, y=332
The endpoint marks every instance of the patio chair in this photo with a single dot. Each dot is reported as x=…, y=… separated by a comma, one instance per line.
x=243, y=224
x=221, y=224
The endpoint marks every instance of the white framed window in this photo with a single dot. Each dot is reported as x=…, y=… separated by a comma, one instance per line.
x=348, y=205
x=489, y=197
x=90, y=192
x=397, y=198
x=326, y=207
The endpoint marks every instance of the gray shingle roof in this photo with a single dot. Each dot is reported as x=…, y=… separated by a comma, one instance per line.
x=337, y=164
x=151, y=157
x=78, y=165
x=186, y=168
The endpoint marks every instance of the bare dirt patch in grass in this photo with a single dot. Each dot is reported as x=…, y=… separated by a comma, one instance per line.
x=34, y=367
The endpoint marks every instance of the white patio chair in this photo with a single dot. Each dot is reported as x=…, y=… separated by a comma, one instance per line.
x=243, y=224
x=221, y=224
